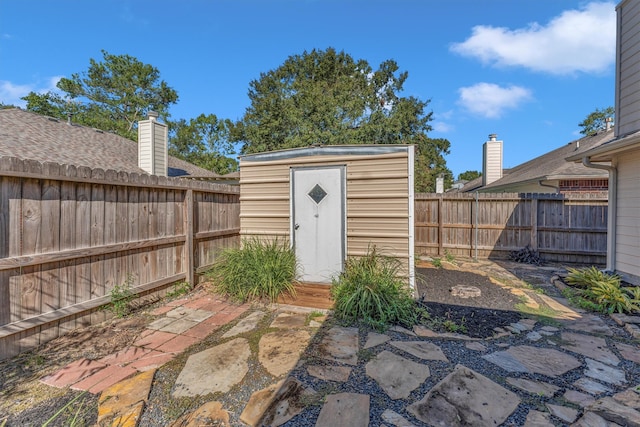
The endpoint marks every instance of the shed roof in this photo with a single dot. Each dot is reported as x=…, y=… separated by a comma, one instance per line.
x=32, y=136
x=327, y=150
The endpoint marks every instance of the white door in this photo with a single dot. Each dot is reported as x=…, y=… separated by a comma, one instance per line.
x=318, y=207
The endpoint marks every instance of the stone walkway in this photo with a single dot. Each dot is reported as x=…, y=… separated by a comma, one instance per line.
x=579, y=371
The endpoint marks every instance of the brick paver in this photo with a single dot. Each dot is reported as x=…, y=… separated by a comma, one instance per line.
x=125, y=356
x=73, y=372
x=178, y=344
x=152, y=360
x=154, y=339
x=104, y=378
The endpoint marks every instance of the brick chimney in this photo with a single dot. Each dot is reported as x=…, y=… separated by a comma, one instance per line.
x=491, y=160
x=152, y=145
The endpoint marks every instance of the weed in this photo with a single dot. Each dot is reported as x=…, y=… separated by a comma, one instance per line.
x=74, y=416
x=313, y=315
x=449, y=256
x=178, y=289
x=451, y=326
x=365, y=354
x=259, y=269
x=437, y=262
x=121, y=297
x=543, y=311
x=319, y=398
x=370, y=290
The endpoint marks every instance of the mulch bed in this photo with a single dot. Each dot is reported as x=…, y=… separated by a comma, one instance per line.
x=495, y=307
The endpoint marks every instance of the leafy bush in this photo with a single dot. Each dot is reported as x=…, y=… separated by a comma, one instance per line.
x=585, y=277
x=600, y=291
x=121, y=297
x=258, y=269
x=178, y=289
x=371, y=291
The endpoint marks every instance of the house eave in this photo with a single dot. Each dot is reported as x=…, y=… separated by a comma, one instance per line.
x=607, y=151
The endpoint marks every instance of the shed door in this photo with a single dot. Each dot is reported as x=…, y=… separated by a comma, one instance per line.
x=318, y=205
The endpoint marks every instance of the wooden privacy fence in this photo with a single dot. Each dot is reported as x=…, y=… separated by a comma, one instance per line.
x=69, y=234
x=562, y=228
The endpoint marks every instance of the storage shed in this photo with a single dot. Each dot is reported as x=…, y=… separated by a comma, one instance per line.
x=330, y=203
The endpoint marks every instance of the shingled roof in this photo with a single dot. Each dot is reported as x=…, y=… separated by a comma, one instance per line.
x=550, y=166
x=31, y=136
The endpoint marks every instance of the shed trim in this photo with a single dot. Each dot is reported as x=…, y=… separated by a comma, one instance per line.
x=346, y=150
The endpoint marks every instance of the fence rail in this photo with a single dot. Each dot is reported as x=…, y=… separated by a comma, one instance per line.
x=562, y=228
x=69, y=234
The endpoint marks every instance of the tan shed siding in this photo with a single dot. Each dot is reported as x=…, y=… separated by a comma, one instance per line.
x=377, y=193
x=628, y=103
x=628, y=215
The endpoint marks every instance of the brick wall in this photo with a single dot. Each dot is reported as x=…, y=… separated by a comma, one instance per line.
x=579, y=185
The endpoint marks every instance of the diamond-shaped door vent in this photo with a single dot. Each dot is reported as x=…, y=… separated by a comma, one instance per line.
x=317, y=193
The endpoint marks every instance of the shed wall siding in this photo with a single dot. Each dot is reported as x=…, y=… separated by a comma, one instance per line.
x=628, y=68
x=377, y=200
x=628, y=215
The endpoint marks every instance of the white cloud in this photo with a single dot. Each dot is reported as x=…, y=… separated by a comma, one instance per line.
x=442, y=127
x=490, y=100
x=10, y=93
x=579, y=40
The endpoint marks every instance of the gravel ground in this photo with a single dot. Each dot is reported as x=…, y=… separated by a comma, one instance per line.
x=457, y=353
x=480, y=316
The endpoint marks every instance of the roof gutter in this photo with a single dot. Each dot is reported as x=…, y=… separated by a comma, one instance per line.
x=542, y=184
x=613, y=208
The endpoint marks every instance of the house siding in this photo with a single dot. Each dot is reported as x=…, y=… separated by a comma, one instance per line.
x=628, y=215
x=377, y=200
x=628, y=68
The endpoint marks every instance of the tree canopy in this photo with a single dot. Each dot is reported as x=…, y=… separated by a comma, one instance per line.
x=469, y=175
x=203, y=141
x=595, y=121
x=327, y=97
x=112, y=95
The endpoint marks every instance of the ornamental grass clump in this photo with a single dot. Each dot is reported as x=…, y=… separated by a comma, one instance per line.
x=600, y=291
x=259, y=269
x=371, y=291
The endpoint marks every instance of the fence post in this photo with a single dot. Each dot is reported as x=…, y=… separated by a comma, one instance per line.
x=189, y=201
x=534, y=222
x=440, y=226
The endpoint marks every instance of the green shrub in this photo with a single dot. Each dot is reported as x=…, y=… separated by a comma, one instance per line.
x=600, y=291
x=259, y=269
x=178, y=289
x=371, y=291
x=584, y=277
x=121, y=297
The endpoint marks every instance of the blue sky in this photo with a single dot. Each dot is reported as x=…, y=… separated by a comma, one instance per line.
x=527, y=70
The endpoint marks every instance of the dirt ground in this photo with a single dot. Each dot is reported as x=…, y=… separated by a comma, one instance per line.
x=24, y=401
x=22, y=392
x=495, y=306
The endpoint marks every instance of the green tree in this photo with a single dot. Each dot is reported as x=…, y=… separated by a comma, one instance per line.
x=596, y=121
x=469, y=175
x=203, y=141
x=327, y=97
x=112, y=95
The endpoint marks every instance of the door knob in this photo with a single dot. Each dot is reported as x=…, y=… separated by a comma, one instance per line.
x=295, y=227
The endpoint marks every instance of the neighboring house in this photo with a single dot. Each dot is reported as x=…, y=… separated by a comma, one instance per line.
x=548, y=173
x=620, y=156
x=31, y=136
